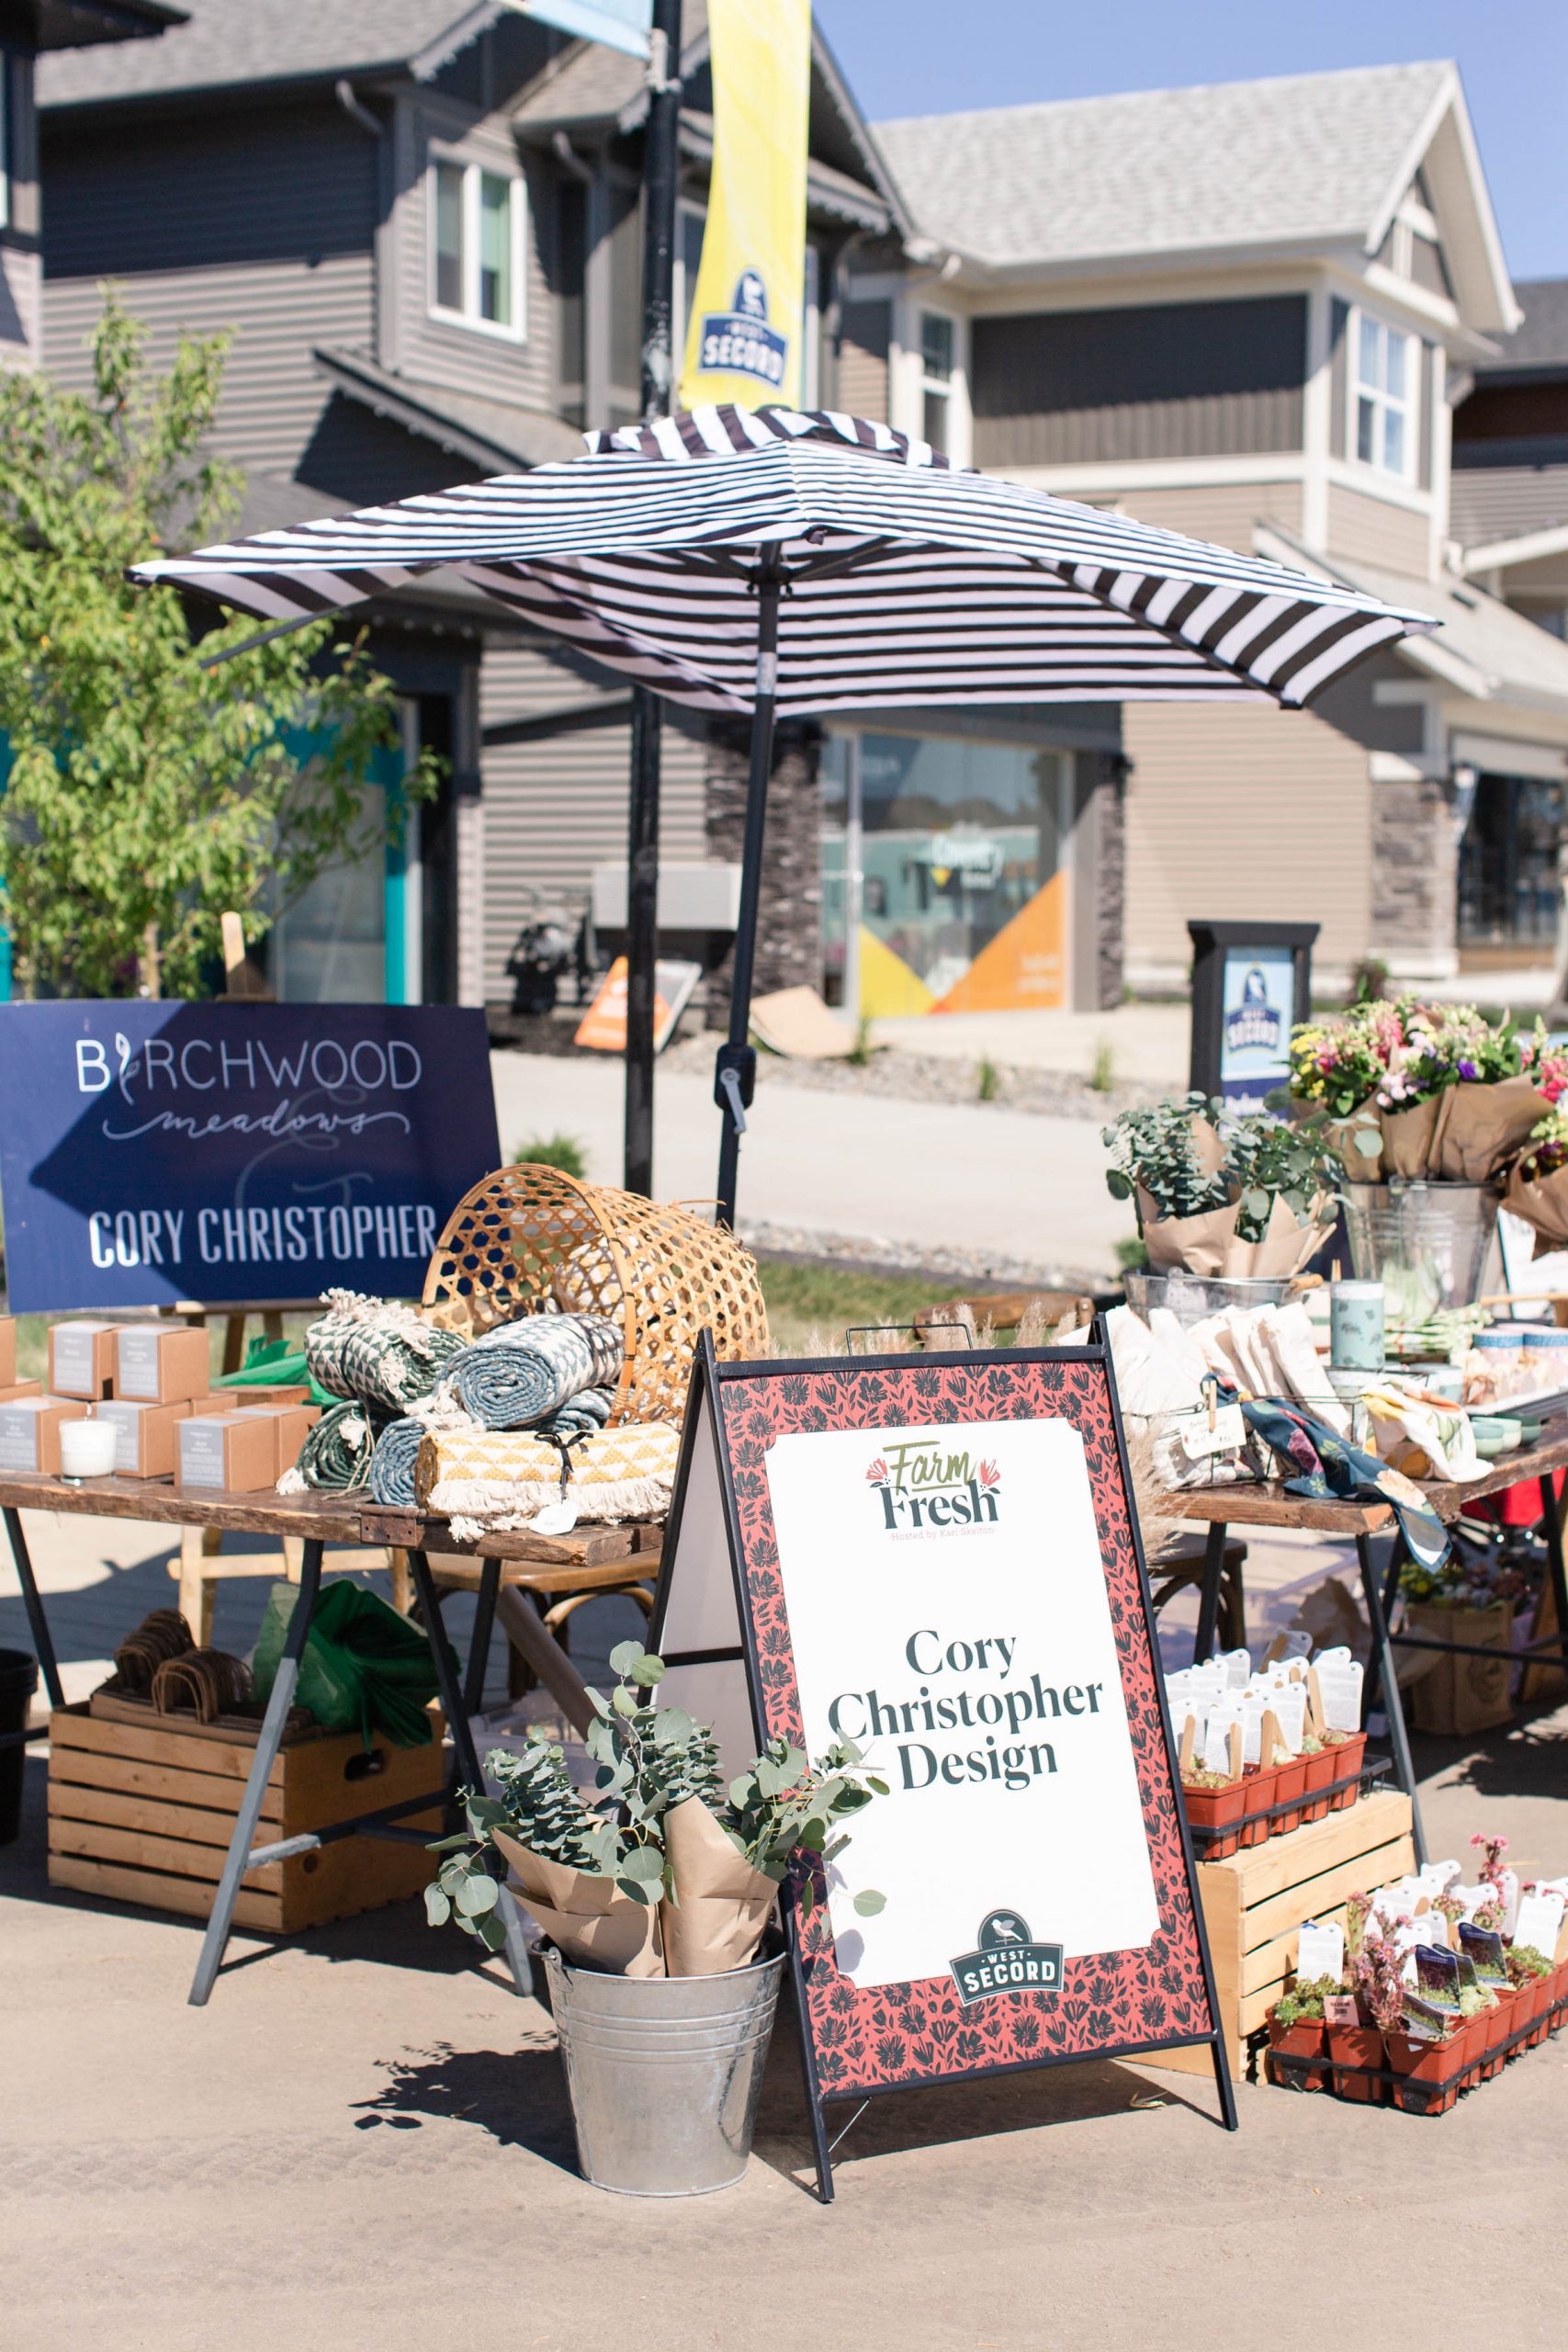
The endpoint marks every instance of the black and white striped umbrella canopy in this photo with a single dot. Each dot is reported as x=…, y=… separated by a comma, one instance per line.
x=907, y=580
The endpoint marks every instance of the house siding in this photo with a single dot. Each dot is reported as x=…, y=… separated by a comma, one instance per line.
x=1244, y=815
x=1182, y=379
x=864, y=341
x=21, y=307
x=438, y=351
x=1373, y=530
x=1223, y=513
x=554, y=810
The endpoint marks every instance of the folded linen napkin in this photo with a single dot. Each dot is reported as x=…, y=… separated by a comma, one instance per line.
x=520, y=1373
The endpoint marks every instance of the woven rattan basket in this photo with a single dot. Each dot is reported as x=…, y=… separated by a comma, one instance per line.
x=532, y=1238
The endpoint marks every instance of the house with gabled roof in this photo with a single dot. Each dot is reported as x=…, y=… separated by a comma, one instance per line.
x=1246, y=311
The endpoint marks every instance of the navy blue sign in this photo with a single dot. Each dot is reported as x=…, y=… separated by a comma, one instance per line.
x=156, y=1152
x=741, y=342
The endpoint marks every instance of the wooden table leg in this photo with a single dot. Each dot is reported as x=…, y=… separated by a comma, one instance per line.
x=464, y=1756
x=267, y=1745
x=1382, y=1674
x=479, y=1647
x=43, y=1643
x=1209, y=1592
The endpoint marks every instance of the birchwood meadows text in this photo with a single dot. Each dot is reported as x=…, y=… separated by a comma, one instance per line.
x=260, y=1237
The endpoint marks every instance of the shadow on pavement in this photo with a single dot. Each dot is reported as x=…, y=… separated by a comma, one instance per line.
x=518, y=2096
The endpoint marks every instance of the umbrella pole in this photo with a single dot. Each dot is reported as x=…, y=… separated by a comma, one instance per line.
x=735, y=1073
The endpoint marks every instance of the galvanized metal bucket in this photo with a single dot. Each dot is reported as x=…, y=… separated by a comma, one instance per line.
x=1426, y=1240
x=664, y=2073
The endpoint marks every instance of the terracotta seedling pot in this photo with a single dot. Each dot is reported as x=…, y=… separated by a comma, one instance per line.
x=1504, y=2022
x=1357, y=2045
x=1215, y=1811
x=1320, y=1770
x=1306, y=2039
x=1259, y=1784
x=1347, y=1755
x=1472, y=2040
x=1291, y=1780
x=1431, y=2072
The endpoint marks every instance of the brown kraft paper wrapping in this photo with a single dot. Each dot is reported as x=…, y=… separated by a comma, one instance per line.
x=1481, y=1126
x=1407, y=1138
x=725, y=1905
x=1360, y=1167
x=1542, y=1203
x=1287, y=1242
x=586, y=1916
x=1195, y=1245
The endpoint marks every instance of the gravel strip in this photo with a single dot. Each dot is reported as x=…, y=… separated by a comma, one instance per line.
x=879, y=1254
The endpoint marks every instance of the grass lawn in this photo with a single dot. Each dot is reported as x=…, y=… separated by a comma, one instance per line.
x=820, y=1301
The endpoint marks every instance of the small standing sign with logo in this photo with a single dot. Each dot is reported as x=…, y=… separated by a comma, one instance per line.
x=1251, y=984
x=936, y=1559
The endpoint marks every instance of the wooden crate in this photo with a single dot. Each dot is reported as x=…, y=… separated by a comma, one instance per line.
x=1254, y=1902
x=143, y=1813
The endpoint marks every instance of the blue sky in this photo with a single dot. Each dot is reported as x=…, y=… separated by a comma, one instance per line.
x=930, y=56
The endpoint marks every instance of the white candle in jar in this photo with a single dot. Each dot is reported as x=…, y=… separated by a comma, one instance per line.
x=87, y=1449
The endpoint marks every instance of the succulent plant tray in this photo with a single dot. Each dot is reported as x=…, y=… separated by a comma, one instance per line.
x=1255, y=1901
x=1271, y=1802
x=1370, y=2068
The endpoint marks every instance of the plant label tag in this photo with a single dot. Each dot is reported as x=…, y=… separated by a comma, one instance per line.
x=1437, y=1974
x=1320, y=1950
x=1539, y=1922
x=1238, y=1665
x=1484, y=1948
x=1510, y=1884
x=1340, y=2009
x=1340, y=1686
x=1251, y=1713
x=1217, y=1741
x=1289, y=1711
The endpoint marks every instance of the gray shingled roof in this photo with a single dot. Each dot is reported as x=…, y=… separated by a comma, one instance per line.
x=229, y=41
x=1308, y=157
x=1542, y=340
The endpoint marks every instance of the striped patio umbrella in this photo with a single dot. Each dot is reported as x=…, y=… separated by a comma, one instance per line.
x=776, y=562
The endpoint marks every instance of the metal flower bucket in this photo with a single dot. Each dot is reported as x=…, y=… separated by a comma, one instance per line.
x=1425, y=1240
x=1193, y=1297
x=664, y=2073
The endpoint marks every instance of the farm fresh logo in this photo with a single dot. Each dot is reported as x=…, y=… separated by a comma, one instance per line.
x=923, y=1487
x=739, y=342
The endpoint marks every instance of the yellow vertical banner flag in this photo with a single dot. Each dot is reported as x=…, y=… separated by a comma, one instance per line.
x=743, y=334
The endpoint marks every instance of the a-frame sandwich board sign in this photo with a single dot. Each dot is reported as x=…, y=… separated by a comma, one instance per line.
x=937, y=1556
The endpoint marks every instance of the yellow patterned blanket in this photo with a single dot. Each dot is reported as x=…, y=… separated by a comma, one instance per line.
x=505, y=1477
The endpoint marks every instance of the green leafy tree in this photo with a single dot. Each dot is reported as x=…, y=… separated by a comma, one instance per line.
x=149, y=788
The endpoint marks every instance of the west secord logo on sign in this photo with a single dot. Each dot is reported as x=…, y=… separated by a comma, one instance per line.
x=1008, y=1959
x=740, y=341
x=1255, y=1022
x=157, y=1152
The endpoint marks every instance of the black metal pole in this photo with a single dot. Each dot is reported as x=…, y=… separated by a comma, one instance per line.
x=735, y=1073
x=661, y=182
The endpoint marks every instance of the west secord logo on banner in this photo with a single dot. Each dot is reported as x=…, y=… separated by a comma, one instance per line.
x=739, y=342
x=1007, y=1960
x=1255, y=1021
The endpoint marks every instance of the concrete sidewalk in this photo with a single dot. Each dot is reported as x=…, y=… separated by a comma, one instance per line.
x=967, y=1178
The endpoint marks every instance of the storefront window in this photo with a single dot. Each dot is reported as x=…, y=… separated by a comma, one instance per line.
x=952, y=846
x=1507, y=875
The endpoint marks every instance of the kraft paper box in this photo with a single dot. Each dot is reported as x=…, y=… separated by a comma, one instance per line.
x=7, y=1351
x=161, y=1364
x=243, y=1400
x=288, y=1424
x=16, y=1388
x=29, y=1432
x=145, y=1441
x=81, y=1359
x=229, y=1452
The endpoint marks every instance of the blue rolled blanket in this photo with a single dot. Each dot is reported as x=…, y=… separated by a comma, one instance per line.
x=520, y=1373
x=391, y=1466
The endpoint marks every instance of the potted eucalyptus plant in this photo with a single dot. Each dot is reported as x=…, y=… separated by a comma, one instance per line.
x=656, y=1892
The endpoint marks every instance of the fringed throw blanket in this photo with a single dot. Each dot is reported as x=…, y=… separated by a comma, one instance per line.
x=391, y=1469
x=520, y=1373
x=383, y=1354
x=487, y=1479
x=336, y=1454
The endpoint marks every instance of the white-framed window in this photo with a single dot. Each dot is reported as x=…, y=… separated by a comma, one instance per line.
x=478, y=219
x=1384, y=375
x=939, y=338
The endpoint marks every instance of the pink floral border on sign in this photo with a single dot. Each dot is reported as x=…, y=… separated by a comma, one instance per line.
x=895, y=2035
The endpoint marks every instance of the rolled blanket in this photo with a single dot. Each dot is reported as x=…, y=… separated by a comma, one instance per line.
x=520, y=1373
x=587, y=1410
x=337, y=1451
x=381, y=1352
x=504, y=1478
x=391, y=1468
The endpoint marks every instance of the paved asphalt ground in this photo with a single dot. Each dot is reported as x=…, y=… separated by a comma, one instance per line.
x=362, y=2144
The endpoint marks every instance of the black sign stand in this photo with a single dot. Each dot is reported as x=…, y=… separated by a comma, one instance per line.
x=1211, y=943
x=721, y=1629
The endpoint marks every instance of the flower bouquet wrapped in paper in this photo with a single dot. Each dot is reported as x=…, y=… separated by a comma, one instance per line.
x=662, y=1871
x=1538, y=1184
x=1216, y=1194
